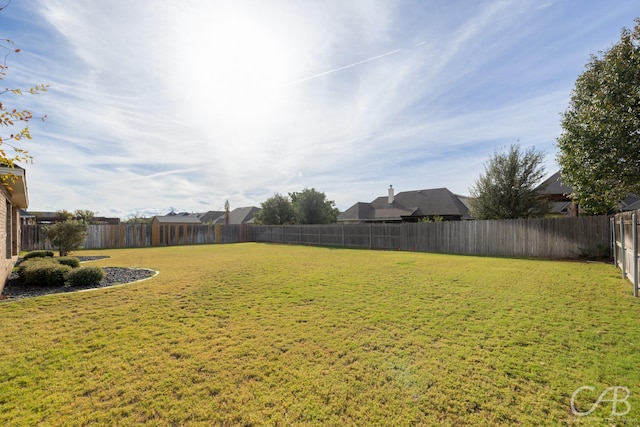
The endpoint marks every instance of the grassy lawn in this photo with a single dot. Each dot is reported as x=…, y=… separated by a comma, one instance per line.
x=256, y=334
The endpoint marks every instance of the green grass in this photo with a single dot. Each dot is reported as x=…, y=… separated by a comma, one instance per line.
x=255, y=334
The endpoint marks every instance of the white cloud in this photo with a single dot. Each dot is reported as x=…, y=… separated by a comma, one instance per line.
x=156, y=104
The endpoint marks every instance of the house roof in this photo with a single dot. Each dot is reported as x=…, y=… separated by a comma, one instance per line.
x=554, y=185
x=178, y=219
x=357, y=211
x=17, y=187
x=240, y=216
x=631, y=203
x=210, y=216
x=418, y=203
x=437, y=201
x=560, y=207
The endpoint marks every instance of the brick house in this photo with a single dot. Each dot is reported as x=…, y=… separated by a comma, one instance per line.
x=408, y=206
x=14, y=193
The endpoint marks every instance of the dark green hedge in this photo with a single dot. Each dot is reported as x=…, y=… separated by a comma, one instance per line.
x=85, y=276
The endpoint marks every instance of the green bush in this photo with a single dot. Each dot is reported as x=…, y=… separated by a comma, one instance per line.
x=37, y=254
x=85, y=276
x=71, y=261
x=29, y=263
x=33, y=273
x=46, y=274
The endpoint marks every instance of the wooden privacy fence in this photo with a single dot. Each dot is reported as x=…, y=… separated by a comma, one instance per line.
x=188, y=234
x=111, y=236
x=624, y=235
x=103, y=236
x=537, y=238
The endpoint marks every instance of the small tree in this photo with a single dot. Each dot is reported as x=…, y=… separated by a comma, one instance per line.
x=276, y=210
x=64, y=215
x=313, y=207
x=137, y=218
x=507, y=189
x=84, y=215
x=67, y=236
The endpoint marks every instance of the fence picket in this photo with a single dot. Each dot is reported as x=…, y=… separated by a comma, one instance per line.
x=624, y=231
x=538, y=238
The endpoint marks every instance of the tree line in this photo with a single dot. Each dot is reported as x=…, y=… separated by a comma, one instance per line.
x=308, y=206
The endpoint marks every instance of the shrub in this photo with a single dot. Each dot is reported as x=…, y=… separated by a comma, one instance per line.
x=46, y=274
x=67, y=236
x=85, y=276
x=37, y=254
x=29, y=263
x=71, y=261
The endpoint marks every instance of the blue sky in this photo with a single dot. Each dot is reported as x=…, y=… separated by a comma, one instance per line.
x=158, y=104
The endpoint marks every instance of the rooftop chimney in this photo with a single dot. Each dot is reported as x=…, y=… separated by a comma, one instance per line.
x=390, y=194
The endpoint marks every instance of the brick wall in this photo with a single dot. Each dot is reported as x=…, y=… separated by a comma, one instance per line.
x=9, y=236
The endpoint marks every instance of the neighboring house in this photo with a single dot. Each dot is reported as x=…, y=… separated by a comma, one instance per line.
x=409, y=206
x=171, y=229
x=26, y=217
x=176, y=220
x=53, y=217
x=15, y=198
x=240, y=216
x=558, y=193
x=236, y=216
x=176, y=228
x=631, y=203
x=210, y=217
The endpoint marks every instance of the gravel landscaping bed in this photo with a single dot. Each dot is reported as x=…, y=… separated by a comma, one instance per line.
x=14, y=290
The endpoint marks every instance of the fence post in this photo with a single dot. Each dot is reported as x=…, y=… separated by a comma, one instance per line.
x=634, y=218
x=622, y=249
x=343, y=235
x=614, y=248
x=370, y=236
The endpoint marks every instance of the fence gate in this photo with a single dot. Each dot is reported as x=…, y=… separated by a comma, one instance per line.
x=624, y=242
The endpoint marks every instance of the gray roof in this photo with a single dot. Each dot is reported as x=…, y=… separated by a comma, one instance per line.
x=240, y=216
x=631, y=203
x=561, y=207
x=554, y=185
x=210, y=216
x=419, y=203
x=178, y=219
x=357, y=211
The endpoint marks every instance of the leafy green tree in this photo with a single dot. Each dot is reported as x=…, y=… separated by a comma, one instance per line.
x=137, y=218
x=64, y=215
x=313, y=207
x=599, y=148
x=67, y=236
x=507, y=188
x=276, y=210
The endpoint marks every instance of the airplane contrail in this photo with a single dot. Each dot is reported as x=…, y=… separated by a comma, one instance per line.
x=324, y=73
x=154, y=175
